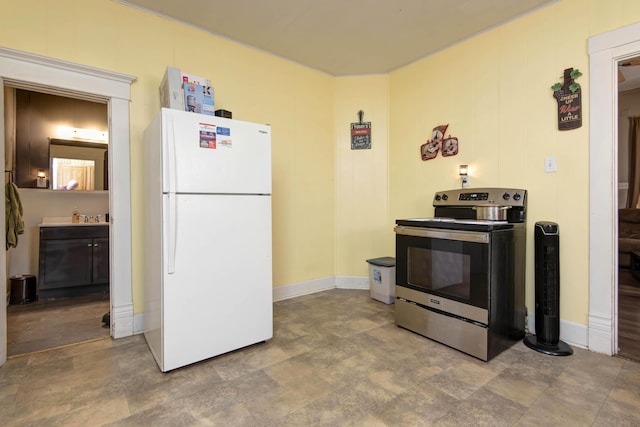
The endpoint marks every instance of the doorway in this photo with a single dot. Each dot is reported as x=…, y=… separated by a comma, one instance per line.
x=605, y=52
x=41, y=73
x=43, y=128
x=628, y=213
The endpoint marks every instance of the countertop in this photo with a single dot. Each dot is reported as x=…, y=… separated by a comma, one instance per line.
x=55, y=221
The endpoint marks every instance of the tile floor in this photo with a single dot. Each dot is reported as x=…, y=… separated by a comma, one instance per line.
x=55, y=322
x=336, y=359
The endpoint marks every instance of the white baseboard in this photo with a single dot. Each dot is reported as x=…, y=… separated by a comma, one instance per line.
x=122, y=321
x=601, y=334
x=574, y=333
x=352, y=282
x=318, y=285
x=570, y=332
x=138, y=323
x=302, y=288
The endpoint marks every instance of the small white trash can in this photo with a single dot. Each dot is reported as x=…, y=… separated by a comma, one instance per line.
x=382, y=279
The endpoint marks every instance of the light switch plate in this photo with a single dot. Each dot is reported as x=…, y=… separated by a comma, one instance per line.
x=549, y=164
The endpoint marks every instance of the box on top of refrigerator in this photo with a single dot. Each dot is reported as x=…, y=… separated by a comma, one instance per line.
x=196, y=80
x=198, y=99
x=172, y=94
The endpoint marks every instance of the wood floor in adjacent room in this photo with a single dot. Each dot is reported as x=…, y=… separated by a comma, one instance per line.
x=628, y=315
x=53, y=323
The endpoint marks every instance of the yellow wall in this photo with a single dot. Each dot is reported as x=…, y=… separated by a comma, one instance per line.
x=362, y=213
x=494, y=92
x=333, y=207
x=296, y=101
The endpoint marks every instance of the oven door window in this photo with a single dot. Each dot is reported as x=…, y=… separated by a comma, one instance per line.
x=452, y=269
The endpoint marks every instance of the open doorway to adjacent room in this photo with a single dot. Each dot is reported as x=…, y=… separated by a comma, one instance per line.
x=629, y=208
x=57, y=77
x=56, y=155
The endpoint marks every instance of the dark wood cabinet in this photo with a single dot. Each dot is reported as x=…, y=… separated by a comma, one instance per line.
x=100, y=262
x=32, y=148
x=74, y=260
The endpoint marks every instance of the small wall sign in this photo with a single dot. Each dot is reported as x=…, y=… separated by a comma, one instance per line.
x=361, y=134
x=569, y=98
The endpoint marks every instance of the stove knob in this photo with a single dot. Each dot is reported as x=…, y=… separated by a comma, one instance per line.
x=445, y=197
x=506, y=196
x=438, y=197
x=517, y=197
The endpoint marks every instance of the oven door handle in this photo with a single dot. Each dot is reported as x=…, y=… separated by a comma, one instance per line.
x=464, y=236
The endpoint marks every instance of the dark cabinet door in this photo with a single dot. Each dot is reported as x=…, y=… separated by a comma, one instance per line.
x=74, y=260
x=32, y=148
x=100, y=261
x=66, y=263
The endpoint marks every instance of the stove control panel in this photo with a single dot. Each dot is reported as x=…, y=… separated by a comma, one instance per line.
x=473, y=196
x=477, y=196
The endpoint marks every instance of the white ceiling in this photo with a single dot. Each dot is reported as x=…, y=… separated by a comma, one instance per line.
x=344, y=37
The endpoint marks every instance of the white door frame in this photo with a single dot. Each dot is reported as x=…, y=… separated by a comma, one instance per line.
x=605, y=51
x=66, y=78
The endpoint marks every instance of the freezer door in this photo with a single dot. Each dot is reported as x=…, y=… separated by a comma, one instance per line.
x=219, y=297
x=208, y=154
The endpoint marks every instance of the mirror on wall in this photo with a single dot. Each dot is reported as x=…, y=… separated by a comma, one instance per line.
x=77, y=165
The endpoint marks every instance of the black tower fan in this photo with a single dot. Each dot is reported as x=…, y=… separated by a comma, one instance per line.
x=547, y=282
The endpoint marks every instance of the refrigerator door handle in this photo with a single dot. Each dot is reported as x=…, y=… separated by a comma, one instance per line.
x=171, y=238
x=171, y=154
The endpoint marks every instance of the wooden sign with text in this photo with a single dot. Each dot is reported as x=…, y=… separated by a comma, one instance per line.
x=569, y=98
x=361, y=134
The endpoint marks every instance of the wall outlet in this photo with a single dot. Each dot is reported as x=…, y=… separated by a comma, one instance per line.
x=549, y=164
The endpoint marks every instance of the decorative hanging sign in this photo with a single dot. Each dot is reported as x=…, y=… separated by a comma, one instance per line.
x=361, y=134
x=429, y=150
x=569, y=97
x=438, y=142
x=450, y=146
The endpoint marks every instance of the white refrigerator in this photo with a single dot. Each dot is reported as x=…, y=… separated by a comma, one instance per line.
x=207, y=244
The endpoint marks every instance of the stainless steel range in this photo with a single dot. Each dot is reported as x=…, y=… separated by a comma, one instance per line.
x=459, y=277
